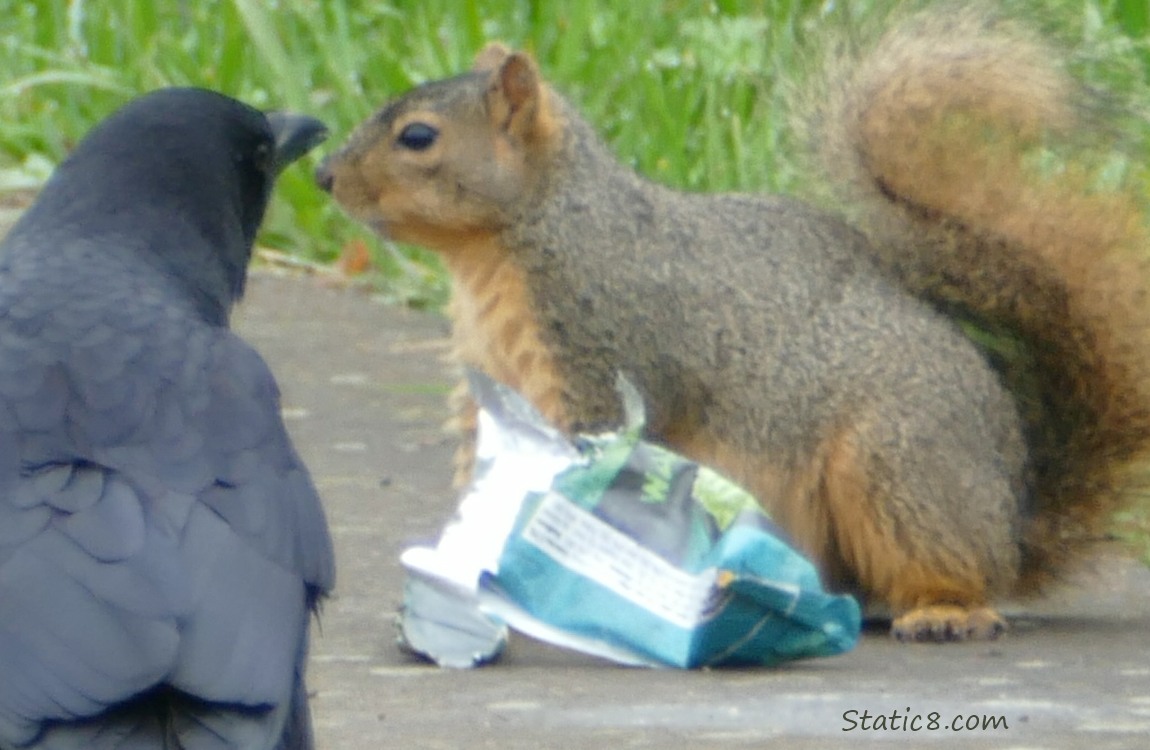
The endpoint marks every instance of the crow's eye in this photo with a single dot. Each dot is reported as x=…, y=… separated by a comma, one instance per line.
x=418, y=136
x=263, y=157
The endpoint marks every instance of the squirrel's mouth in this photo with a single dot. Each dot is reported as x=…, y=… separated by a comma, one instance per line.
x=378, y=225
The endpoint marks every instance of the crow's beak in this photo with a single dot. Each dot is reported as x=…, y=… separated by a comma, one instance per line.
x=295, y=135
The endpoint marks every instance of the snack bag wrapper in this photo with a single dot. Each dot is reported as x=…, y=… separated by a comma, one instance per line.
x=613, y=546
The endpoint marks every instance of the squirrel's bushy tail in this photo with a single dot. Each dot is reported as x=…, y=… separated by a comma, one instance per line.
x=946, y=137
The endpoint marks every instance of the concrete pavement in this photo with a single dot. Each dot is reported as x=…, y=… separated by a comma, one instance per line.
x=364, y=395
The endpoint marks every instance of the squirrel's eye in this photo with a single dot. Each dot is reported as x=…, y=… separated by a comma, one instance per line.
x=418, y=136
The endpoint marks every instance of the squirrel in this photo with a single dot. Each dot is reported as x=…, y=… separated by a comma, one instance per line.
x=940, y=389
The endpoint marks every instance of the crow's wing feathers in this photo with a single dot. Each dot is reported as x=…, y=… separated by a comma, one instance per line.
x=156, y=524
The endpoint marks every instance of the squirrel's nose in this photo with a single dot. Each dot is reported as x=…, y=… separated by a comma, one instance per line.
x=324, y=177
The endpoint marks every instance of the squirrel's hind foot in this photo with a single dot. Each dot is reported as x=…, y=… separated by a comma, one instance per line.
x=947, y=622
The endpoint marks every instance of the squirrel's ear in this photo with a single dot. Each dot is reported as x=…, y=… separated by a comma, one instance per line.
x=490, y=57
x=514, y=94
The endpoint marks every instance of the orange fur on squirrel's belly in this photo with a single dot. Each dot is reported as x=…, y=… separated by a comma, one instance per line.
x=494, y=328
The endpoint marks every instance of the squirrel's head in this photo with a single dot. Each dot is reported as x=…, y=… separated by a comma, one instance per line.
x=451, y=158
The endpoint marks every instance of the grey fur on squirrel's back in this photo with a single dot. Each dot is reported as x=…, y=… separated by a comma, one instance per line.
x=755, y=268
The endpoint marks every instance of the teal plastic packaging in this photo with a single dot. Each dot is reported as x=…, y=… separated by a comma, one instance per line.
x=612, y=546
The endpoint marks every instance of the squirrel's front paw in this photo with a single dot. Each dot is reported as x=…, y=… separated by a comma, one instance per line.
x=947, y=622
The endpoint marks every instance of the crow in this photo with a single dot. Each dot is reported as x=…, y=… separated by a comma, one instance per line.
x=162, y=546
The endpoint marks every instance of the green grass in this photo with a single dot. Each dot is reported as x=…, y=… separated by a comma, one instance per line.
x=691, y=93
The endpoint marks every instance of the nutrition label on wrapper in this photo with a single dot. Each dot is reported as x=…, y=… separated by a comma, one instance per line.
x=585, y=545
